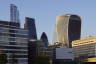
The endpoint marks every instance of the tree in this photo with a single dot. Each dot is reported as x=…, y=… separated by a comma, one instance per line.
x=42, y=59
x=3, y=58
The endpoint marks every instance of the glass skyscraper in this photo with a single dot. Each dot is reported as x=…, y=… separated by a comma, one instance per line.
x=44, y=39
x=14, y=13
x=15, y=46
x=13, y=40
x=30, y=26
x=67, y=29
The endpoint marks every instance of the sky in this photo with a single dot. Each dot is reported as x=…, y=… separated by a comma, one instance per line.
x=45, y=12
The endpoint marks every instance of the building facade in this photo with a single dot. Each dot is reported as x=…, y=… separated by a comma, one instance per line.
x=30, y=26
x=67, y=29
x=85, y=47
x=64, y=53
x=14, y=13
x=13, y=42
x=44, y=39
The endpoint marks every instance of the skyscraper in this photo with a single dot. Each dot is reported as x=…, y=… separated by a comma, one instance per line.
x=14, y=13
x=30, y=25
x=68, y=29
x=44, y=38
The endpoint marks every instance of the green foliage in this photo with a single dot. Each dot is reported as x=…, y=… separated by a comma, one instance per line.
x=3, y=58
x=42, y=59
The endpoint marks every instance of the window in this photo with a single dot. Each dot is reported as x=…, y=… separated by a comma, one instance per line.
x=12, y=39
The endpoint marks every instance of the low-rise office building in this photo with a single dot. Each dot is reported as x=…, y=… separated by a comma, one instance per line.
x=85, y=47
x=13, y=42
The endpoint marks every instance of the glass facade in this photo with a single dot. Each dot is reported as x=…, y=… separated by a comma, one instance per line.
x=14, y=13
x=13, y=42
x=30, y=25
x=44, y=39
x=68, y=28
x=74, y=28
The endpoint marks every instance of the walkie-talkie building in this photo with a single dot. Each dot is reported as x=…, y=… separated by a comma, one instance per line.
x=68, y=29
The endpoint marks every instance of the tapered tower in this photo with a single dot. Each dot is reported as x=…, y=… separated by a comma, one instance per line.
x=44, y=38
x=14, y=13
x=30, y=26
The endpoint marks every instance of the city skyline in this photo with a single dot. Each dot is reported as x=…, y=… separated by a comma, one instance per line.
x=46, y=15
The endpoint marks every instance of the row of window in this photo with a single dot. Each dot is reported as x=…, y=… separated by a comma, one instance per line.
x=14, y=51
x=12, y=47
x=8, y=30
x=13, y=35
x=21, y=45
x=8, y=39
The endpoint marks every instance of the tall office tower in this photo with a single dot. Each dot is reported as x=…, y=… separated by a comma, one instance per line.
x=30, y=25
x=14, y=13
x=13, y=43
x=44, y=38
x=68, y=29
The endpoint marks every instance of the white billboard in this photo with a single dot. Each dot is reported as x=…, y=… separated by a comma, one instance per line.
x=64, y=53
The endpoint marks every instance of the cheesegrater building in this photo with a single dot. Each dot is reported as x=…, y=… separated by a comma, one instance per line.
x=67, y=29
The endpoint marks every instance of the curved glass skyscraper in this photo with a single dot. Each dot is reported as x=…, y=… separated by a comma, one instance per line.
x=44, y=39
x=68, y=28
